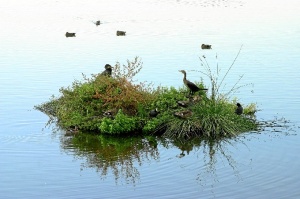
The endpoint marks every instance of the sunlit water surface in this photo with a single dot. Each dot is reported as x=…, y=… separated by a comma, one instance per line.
x=36, y=59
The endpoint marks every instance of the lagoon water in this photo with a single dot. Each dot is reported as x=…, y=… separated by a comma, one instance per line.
x=36, y=59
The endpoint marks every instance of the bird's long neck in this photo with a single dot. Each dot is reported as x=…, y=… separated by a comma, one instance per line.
x=184, y=76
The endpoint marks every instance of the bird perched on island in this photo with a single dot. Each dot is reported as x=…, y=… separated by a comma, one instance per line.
x=192, y=100
x=109, y=113
x=72, y=131
x=107, y=71
x=239, y=109
x=183, y=103
x=183, y=114
x=69, y=34
x=153, y=113
x=190, y=85
x=205, y=46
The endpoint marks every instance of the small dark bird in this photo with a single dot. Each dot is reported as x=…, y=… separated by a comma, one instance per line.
x=190, y=101
x=97, y=23
x=72, y=131
x=154, y=113
x=205, y=46
x=183, y=103
x=190, y=85
x=181, y=155
x=69, y=34
x=183, y=114
x=196, y=99
x=107, y=71
x=109, y=114
x=121, y=33
x=239, y=109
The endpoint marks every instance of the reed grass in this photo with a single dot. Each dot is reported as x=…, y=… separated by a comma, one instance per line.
x=217, y=80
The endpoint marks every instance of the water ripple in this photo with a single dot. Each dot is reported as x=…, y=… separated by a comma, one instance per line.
x=28, y=138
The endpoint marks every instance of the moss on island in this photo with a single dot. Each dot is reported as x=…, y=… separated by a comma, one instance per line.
x=117, y=105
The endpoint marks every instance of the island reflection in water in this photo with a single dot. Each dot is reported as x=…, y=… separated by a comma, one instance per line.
x=115, y=154
x=123, y=156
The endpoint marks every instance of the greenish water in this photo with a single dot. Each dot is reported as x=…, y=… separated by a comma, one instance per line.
x=36, y=59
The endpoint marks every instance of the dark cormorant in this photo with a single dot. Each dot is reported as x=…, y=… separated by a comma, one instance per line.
x=193, y=88
x=107, y=71
x=239, y=109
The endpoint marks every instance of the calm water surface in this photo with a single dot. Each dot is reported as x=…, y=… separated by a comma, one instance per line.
x=36, y=59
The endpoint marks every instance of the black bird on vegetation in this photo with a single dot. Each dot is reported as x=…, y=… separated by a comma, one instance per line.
x=154, y=113
x=107, y=71
x=239, y=109
x=109, y=113
x=190, y=85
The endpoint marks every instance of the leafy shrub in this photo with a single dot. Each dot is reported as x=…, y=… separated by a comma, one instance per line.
x=120, y=94
x=120, y=124
x=82, y=104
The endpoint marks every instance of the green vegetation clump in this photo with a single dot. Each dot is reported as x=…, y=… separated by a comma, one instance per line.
x=117, y=105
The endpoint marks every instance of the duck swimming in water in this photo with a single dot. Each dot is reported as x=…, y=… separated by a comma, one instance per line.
x=69, y=34
x=121, y=33
x=205, y=46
